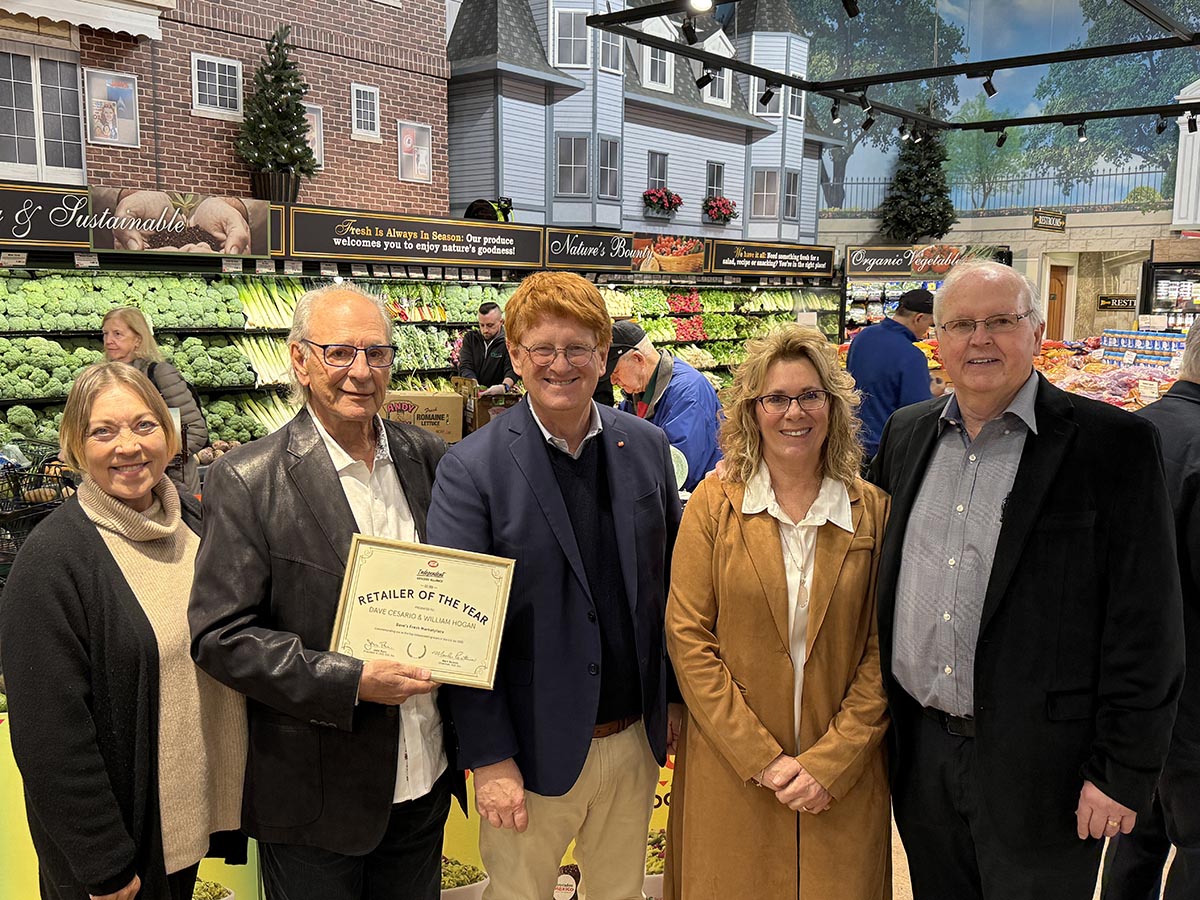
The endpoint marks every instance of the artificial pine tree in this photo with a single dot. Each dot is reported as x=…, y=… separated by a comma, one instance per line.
x=918, y=202
x=274, y=134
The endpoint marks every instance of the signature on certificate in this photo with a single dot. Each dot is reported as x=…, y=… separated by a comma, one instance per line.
x=376, y=647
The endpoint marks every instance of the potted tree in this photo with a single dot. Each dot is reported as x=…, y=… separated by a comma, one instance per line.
x=274, y=138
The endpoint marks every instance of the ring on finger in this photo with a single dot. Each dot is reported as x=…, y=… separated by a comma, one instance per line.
x=1114, y=823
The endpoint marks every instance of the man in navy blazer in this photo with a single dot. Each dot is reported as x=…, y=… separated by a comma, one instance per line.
x=569, y=742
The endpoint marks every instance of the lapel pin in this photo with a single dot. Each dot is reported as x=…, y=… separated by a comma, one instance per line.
x=620, y=443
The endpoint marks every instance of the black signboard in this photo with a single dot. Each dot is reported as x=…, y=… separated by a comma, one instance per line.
x=349, y=234
x=40, y=215
x=742, y=258
x=1116, y=301
x=606, y=251
x=1049, y=220
x=277, y=219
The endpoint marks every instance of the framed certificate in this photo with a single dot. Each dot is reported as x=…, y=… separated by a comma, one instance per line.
x=433, y=607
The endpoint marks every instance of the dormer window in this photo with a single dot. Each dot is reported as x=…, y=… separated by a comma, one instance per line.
x=659, y=70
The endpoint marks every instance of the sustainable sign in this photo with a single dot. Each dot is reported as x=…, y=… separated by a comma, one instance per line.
x=602, y=250
x=38, y=215
x=743, y=258
x=1049, y=220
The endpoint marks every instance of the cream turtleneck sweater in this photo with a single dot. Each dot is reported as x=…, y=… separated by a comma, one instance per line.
x=201, y=723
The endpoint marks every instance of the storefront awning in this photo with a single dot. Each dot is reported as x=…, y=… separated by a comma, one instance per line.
x=136, y=17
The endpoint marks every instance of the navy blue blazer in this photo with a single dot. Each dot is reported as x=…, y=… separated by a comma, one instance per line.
x=495, y=492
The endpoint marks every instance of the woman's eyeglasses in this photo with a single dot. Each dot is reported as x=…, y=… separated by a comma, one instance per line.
x=778, y=404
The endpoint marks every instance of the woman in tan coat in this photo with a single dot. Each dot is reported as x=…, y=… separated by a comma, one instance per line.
x=780, y=786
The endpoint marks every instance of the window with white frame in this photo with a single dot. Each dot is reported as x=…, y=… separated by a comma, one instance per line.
x=41, y=131
x=714, y=182
x=795, y=101
x=216, y=87
x=364, y=111
x=660, y=70
x=571, y=39
x=612, y=52
x=772, y=106
x=791, y=195
x=572, y=180
x=765, y=199
x=657, y=171
x=610, y=169
x=719, y=90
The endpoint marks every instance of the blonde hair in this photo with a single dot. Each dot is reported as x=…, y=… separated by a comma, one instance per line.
x=741, y=439
x=544, y=295
x=132, y=318
x=88, y=385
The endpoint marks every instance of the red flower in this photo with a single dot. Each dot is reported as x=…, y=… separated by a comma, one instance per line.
x=661, y=198
x=719, y=209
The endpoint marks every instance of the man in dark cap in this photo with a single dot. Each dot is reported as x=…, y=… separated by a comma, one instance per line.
x=665, y=390
x=887, y=368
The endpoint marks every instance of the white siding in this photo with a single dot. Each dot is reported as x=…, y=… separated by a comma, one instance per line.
x=523, y=136
x=809, y=191
x=608, y=214
x=690, y=145
x=472, y=143
x=572, y=108
x=572, y=213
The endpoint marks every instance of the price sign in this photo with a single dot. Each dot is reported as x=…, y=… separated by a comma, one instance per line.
x=381, y=271
x=264, y=267
x=433, y=272
x=1148, y=391
x=398, y=272
x=231, y=265
x=13, y=259
x=293, y=267
x=86, y=260
x=358, y=270
x=329, y=270
x=1176, y=362
x=1129, y=358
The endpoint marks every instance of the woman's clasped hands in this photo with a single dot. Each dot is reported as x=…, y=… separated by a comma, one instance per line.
x=793, y=786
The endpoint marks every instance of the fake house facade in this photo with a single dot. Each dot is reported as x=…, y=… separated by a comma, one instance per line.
x=574, y=124
x=150, y=94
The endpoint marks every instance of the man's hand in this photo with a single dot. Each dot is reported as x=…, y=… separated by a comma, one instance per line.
x=804, y=793
x=500, y=795
x=675, y=714
x=126, y=893
x=138, y=205
x=223, y=221
x=492, y=391
x=391, y=683
x=1098, y=815
x=779, y=772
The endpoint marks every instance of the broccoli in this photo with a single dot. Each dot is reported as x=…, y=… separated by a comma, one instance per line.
x=39, y=378
x=22, y=419
x=54, y=388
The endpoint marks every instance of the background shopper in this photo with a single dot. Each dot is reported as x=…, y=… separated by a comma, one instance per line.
x=484, y=354
x=125, y=790
x=771, y=626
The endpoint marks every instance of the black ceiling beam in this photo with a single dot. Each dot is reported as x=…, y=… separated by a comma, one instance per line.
x=1078, y=118
x=639, y=13
x=987, y=67
x=1159, y=17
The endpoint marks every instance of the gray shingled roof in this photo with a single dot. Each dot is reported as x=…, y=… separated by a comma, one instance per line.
x=500, y=34
x=766, y=16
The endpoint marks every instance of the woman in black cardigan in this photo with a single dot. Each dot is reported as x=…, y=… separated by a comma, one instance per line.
x=132, y=759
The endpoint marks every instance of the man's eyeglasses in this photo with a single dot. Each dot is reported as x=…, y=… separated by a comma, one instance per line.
x=578, y=355
x=778, y=404
x=998, y=324
x=342, y=356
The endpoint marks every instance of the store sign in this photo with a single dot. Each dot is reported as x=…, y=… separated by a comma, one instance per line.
x=349, y=234
x=742, y=258
x=1116, y=301
x=38, y=215
x=1049, y=220
x=141, y=221
x=923, y=260
x=674, y=254
x=578, y=250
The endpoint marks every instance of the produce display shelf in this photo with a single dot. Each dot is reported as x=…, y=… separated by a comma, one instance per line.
x=31, y=401
x=238, y=389
x=92, y=333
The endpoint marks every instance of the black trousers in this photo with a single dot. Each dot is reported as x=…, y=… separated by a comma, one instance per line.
x=1137, y=859
x=954, y=851
x=407, y=864
x=181, y=884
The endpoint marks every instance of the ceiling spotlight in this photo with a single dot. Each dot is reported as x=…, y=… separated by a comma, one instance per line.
x=904, y=135
x=1161, y=125
x=767, y=94
x=700, y=5
x=865, y=103
x=918, y=136
x=988, y=87
x=1001, y=138
x=868, y=122
x=835, y=113
x=1082, y=132
x=705, y=79
x=1191, y=123
x=689, y=30
x=851, y=8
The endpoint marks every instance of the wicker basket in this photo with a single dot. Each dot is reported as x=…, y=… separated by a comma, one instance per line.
x=693, y=262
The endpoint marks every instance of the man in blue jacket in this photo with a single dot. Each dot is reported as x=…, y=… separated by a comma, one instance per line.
x=887, y=368
x=665, y=390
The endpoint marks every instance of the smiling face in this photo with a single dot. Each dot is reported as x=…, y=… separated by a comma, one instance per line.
x=125, y=450
x=558, y=389
x=354, y=393
x=120, y=341
x=795, y=439
x=987, y=368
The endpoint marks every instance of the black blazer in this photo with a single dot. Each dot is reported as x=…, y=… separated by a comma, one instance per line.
x=1079, y=658
x=276, y=537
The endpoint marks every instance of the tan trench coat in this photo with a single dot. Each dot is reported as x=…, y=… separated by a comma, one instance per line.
x=728, y=638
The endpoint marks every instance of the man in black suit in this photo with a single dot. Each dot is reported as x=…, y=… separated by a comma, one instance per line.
x=1030, y=629
x=1137, y=867
x=348, y=780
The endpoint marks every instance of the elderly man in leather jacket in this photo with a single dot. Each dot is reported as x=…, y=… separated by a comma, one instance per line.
x=348, y=779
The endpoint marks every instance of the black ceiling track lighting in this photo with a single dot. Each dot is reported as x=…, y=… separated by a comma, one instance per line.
x=1001, y=138
x=689, y=30
x=767, y=95
x=1192, y=122
x=1161, y=125
x=988, y=87
x=868, y=122
x=1081, y=133
x=850, y=7
x=705, y=79
x=835, y=113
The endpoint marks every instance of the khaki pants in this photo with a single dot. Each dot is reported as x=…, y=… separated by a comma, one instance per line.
x=607, y=812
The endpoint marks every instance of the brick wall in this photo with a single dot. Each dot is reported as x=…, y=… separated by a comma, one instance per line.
x=400, y=52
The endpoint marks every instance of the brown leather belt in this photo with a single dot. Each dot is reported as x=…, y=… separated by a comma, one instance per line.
x=608, y=729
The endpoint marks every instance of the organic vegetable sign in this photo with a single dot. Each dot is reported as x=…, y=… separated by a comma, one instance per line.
x=931, y=260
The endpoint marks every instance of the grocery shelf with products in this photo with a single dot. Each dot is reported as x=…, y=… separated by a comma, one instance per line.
x=1170, y=290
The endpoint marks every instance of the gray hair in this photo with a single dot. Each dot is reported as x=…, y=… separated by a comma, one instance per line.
x=301, y=327
x=1027, y=295
x=1189, y=369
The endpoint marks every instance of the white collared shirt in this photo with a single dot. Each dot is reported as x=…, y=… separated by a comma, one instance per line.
x=799, y=543
x=380, y=509
x=595, y=426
